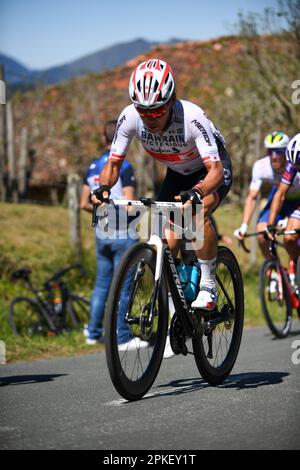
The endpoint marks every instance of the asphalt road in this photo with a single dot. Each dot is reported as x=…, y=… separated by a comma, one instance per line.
x=70, y=403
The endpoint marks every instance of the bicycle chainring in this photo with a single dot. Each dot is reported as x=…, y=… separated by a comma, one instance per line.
x=177, y=337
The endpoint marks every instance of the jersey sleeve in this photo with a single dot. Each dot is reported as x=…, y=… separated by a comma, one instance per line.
x=289, y=174
x=125, y=130
x=256, y=180
x=204, y=138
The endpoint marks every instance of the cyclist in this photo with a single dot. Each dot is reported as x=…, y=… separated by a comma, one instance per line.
x=289, y=181
x=267, y=170
x=178, y=134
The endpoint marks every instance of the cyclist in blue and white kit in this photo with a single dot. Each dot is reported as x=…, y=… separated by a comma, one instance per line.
x=268, y=171
x=288, y=180
x=178, y=134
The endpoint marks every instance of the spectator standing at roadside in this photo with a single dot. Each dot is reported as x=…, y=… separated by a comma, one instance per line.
x=108, y=250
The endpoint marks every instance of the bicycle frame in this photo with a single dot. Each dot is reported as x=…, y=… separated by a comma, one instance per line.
x=273, y=250
x=165, y=264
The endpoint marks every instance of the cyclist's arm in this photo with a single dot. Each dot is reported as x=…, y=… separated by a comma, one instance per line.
x=110, y=173
x=213, y=180
x=250, y=204
x=277, y=202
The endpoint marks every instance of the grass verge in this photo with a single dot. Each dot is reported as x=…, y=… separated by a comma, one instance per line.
x=38, y=237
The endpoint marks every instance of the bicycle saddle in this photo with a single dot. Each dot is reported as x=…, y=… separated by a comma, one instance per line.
x=22, y=273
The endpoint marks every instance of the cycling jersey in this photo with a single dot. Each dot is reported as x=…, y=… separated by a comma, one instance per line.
x=263, y=172
x=190, y=141
x=126, y=177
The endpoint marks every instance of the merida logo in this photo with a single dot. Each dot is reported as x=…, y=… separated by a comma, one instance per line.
x=121, y=120
x=203, y=132
x=176, y=279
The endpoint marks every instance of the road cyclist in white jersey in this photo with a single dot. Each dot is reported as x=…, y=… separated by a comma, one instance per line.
x=266, y=171
x=289, y=180
x=178, y=134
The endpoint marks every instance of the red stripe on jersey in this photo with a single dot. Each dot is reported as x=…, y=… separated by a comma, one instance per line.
x=115, y=156
x=213, y=158
x=169, y=157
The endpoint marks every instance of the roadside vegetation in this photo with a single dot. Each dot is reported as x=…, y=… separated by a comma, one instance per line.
x=37, y=237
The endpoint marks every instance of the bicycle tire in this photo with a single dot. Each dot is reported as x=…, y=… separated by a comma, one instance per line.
x=78, y=309
x=215, y=369
x=272, y=318
x=133, y=372
x=26, y=318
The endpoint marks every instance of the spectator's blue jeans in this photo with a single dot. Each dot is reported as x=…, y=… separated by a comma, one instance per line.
x=108, y=256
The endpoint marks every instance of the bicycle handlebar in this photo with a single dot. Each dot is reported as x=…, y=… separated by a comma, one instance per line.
x=142, y=202
x=263, y=232
x=62, y=272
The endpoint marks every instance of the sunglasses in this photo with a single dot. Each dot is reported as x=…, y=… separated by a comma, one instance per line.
x=156, y=113
x=278, y=151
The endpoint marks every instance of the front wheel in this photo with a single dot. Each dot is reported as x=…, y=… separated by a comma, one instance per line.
x=275, y=299
x=134, y=340
x=216, y=350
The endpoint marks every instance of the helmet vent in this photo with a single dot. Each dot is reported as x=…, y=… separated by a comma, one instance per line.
x=155, y=86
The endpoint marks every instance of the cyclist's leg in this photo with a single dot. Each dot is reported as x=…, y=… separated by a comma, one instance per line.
x=291, y=241
x=207, y=255
x=104, y=275
x=171, y=187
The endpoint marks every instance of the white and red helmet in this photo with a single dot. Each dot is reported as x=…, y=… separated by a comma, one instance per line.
x=293, y=150
x=152, y=84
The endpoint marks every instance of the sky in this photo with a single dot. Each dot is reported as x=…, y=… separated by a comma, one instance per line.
x=44, y=33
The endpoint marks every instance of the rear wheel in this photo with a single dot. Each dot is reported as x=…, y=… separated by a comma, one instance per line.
x=275, y=299
x=216, y=350
x=26, y=319
x=129, y=326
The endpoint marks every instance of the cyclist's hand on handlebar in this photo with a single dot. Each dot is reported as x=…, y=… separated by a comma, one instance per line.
x=100, y=195
x=239, y=233
x=270, y=232
x=190, y=197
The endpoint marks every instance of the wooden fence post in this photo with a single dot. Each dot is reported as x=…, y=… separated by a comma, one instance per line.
x=23, y=163
x=3, y=140
x=74, y=186
x=12, y=180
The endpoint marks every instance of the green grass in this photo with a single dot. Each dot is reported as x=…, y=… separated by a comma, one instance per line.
x=38, y=237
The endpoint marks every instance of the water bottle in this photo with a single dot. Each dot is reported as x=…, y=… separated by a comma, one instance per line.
x=189, y=276
x=57, y=300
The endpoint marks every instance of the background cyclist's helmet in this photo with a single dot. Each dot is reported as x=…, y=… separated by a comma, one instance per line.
x=152, y=84
x=276, y=140
x=293, y=150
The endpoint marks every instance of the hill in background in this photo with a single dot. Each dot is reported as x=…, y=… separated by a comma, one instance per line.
x=65, y=121
x=19, y=76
